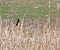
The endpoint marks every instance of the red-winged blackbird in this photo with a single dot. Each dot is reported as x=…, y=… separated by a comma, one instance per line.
x=17, y=22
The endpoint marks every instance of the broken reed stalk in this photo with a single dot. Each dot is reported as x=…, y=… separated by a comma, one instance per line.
x=6, y=29
x=0, y=33
x=21, y=27
x=27, y=31
x=0, y=24
x=12, y=28
x=58, y=6
x=57, y=17
x=49, y=15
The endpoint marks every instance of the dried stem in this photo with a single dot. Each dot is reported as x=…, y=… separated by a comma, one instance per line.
x=21, y=27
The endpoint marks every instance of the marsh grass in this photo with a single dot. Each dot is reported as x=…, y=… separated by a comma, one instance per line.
x=29, y=37
x=30, y=34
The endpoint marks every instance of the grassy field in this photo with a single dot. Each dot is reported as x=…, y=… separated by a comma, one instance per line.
x=38, y=29
x=32, y=8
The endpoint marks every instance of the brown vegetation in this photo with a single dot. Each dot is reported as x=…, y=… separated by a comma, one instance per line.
x=36, y=36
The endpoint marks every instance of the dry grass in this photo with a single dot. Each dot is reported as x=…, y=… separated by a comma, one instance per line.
x=29, y=38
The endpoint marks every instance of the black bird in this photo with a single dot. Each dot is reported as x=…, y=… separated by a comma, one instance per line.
x=17, y=22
